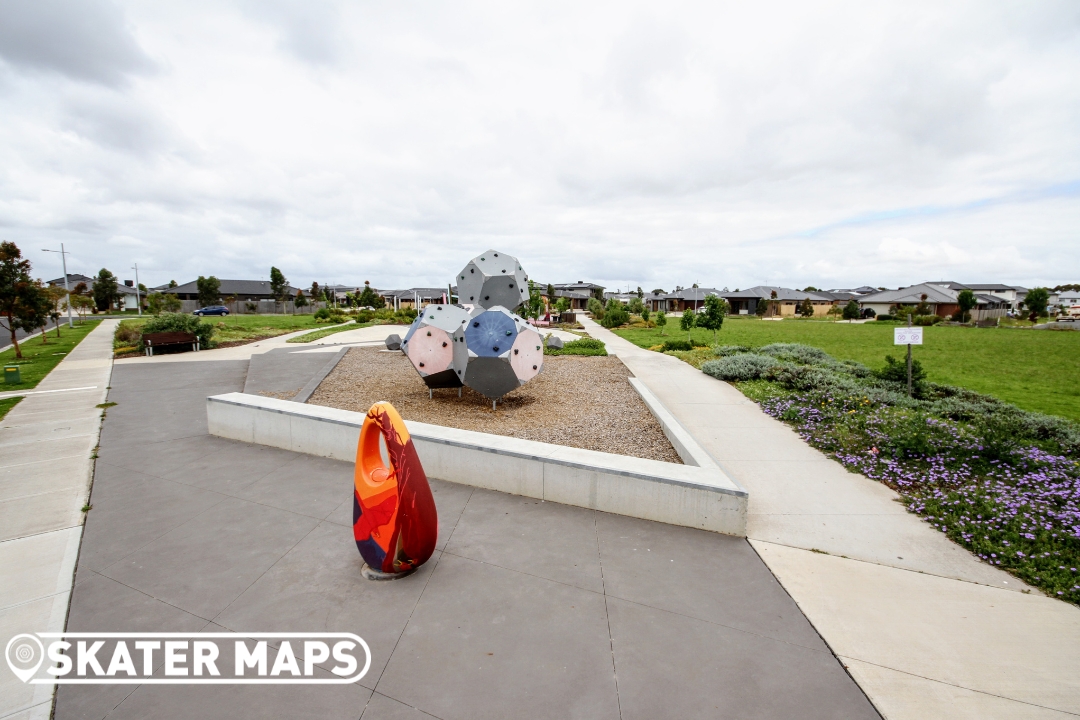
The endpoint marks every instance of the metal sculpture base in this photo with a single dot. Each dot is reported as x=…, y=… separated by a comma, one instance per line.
x=372, y=574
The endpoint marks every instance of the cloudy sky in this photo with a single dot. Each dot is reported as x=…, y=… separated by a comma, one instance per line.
x=729, y=144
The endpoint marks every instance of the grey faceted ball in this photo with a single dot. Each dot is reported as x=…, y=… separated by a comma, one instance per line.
x=492, y=279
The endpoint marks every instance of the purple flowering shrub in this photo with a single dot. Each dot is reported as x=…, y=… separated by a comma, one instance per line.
x=1002, y=482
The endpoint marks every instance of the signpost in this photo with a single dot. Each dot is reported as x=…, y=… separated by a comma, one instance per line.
x=908, y=336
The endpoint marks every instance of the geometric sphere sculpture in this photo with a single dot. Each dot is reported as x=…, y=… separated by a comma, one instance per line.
x=430, y=344
x=395, y=523
x=491, y=279
x=503, y=352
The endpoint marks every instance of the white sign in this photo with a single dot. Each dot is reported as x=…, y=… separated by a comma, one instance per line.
x=907, y=336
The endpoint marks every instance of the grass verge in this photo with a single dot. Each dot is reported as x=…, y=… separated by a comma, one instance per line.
x=231, y=330
x=1034, y=370
x=39, y=358
x=6, y=404
x=326, y=331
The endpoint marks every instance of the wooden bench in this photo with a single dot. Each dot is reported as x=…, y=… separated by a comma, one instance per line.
x=168, y=339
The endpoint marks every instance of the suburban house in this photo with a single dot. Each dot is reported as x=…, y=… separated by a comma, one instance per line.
x=414, y=297
x=240, y=290
x=680, y=300
x=780, y=301
x=939, y=296
x=577, y=293
x=1069, y=297
x=126, y=289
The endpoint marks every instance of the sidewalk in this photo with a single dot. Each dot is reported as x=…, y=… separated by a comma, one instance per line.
x=45, y=446
x=924, y=627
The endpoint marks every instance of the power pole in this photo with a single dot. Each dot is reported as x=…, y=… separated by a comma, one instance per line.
x=909, y=360
x=63, y=258
x=138, y=297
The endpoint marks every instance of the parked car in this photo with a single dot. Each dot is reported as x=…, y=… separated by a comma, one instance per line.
x=212, y=310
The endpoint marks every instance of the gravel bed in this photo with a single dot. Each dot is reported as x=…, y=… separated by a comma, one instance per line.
x=582, y=402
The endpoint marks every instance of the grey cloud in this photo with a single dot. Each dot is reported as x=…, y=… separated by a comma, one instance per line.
x=87, y=40
x=308, y=29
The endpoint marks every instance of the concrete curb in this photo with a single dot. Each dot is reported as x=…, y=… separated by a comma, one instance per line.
x=701, y=497
x=313, y=384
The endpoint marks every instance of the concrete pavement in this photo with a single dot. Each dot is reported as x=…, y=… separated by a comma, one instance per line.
x=46, y=443
x=925, y=628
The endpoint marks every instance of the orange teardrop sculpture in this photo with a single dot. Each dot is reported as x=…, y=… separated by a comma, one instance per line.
x=395, y=523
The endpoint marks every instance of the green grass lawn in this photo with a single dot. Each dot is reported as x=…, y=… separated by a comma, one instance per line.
x=39, y=358
x=230, y=329
x=1033, y=369
x=6, y=404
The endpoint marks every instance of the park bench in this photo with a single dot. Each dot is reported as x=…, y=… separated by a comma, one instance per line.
x=152, y=341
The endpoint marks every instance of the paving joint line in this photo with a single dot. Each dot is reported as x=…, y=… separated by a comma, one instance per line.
x=607, y=615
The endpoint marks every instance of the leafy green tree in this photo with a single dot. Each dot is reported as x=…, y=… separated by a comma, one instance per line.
x=966, y=300
x=761, y=307
x=851, y=310
x=370, y=298
x=806, y=308
x=596, y=308
x=209, y=290
x=551, y=293
x=300, y=301
x=535, y=304
x=1036, y=302
x=645, y=313
x=661, y=320
x=635, y=306
x=279, y=286
x=171, y=303
x=172, y=284
x=615, y=314
x=713, y=317
x=105, y=290
x=18, y=294
x=923, y=308
x=687, y=322
x=562, y=304
x=316, y=292
x=154, y=302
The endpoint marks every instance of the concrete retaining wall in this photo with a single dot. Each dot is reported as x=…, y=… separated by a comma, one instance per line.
x=693, y=496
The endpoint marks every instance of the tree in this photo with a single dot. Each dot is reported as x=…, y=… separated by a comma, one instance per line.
x=551, y=292
x=172, y=284
x=370, y=298
x=806, y=308
x=40, y=308
x=535, y=304
x=81, y=304
x=713, y=317
x=104, y=290
x=645, y=313
x=808, y=288
x=687, y=321
x=316, y=294
x=966, y=300
x=640, y=294
x=923, y=308
x=171, y=303
x=761, y=307
x=79, y=289
x=154, y=303
x=851, y=310
x=17, y=293
x=279, y=286
x=562, y=304
x=661, y=321
x=615, y=314
x=596, y=308
x=209, y=290
x=56, y=295
x=299, y=301
x=635, y=306
x=1036, y=301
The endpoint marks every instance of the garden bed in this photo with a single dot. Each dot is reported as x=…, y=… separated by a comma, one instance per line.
x=1000, y=481
x=582, y=402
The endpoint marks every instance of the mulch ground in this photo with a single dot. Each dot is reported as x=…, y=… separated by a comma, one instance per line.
x=582, y=402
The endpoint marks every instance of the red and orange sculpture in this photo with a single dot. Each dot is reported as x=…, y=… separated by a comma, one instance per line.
x=394, y=518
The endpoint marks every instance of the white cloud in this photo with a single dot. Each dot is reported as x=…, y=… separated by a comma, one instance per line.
x=721, y=143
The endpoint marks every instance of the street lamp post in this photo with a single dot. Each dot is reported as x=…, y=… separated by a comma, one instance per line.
x=63, y=259
x=138, y=297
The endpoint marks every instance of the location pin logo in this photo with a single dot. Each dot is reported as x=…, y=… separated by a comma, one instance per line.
x=24, y=655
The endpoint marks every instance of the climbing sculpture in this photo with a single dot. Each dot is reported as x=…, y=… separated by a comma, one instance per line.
x=394, y=518
x=481, y=343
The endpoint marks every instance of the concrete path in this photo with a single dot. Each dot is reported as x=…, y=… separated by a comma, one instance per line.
x=46, y=443
x=925, y=628
x=527, y=609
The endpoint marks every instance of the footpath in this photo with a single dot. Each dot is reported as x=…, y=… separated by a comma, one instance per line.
x=46, y=443
x=924, y=627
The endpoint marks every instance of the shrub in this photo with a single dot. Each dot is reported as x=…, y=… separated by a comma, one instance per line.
x=884, y=316
x=795, y=352
x=615, y=314
x=728, y=350
x=670, y=345
x=128, y=334
x=330, y=315
x=896, y=371
x=596, y=308
x=582, y=346
x=179, y=322
x=744, y=366
x=927, y=320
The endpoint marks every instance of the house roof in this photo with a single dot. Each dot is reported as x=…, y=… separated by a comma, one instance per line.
x=766, y=291
x=73, y=279
x=408, y=294
x=935, y=293
x=863, y=290
x=231, y=287
x=578, y=286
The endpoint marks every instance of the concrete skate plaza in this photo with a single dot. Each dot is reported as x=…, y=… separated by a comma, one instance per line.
x=527, y=608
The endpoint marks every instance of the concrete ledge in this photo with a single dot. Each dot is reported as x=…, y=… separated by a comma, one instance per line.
x=684, y=443
x=693, y=496
x=313, y=384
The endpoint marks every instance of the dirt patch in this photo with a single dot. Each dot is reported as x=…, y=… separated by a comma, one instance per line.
x=582, y=402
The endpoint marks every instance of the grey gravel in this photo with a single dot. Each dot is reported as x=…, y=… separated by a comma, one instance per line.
x=582, y=402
